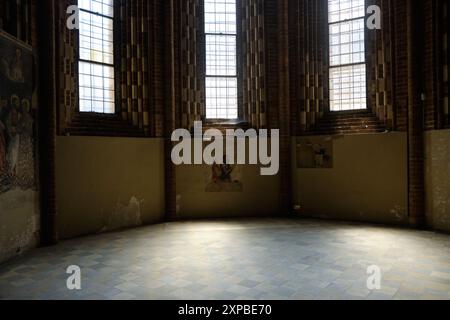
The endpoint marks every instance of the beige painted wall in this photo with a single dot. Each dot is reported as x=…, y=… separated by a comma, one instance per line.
x=260, y=196
x=437, y=179
x=108, y=183
x=368, y=181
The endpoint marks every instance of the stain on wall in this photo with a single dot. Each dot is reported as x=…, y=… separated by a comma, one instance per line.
x=368, y=181
x=126, y=215
x=437, y=179
x=106, y=184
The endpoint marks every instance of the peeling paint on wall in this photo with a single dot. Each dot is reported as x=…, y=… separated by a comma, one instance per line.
x=91, y=201
x=19, y=222
x=126, y=215
x=400, y=213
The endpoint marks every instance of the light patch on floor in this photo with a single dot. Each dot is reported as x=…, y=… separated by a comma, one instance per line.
x=239, y=259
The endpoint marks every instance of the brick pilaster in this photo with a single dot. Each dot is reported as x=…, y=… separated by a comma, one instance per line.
x=284, y=108
x=46, y=13
x=170, y=110
x=416, y=184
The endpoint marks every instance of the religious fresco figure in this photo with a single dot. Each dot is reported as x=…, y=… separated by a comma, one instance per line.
x=222, y=172
x=3, y=148
x=13, y=67
x=13, y=128
x=17, y=147
x=25, y=167
x=224, y=178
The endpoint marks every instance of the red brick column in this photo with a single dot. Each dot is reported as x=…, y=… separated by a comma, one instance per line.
x=170, y=111
x=46, y=12
x=284, y=115
x=416, y=184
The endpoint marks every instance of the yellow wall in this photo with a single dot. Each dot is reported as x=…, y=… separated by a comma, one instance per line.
x=437, y=163
x=368, y=181
x=260, y=196
x=108, y=183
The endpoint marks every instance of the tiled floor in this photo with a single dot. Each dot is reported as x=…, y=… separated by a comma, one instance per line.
x=248, y=259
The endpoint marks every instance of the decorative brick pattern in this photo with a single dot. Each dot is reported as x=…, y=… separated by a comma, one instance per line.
x=430, y=72
x=67, y=67
x=379, y=66
x=400, y=76
x=191, y=62
x=139, y=76
x=309, y=62
x=444, y=58
x=253, y=65
x=140, y=63
x=271, y=62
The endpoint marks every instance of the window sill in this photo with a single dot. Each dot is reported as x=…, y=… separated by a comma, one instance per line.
x=101, y=125
x=345, y=112
x=225, y=124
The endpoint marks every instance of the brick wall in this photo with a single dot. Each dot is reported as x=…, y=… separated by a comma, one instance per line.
x=308, y=32
x=400, y=76
x=432, y=66
x=387, y=59
x=308, y=60
x=442, y=57
x=271, y=25
x=431, y=104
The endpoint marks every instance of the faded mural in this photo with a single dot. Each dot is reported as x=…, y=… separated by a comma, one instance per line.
x=19, y=210
x=224, y=178
x=17, y=160
x=315, y=154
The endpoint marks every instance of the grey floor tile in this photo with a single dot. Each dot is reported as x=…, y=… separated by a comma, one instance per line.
x=252, y=259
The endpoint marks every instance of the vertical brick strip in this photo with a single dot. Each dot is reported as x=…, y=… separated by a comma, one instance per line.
x=190, y=31
x=443, y=55
x=47, y=119
x=284, y=108
x=400, y=61
x=253, y=66
x=379, y=66
x=308, y=31
x=416, y=184
x=170, y=110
